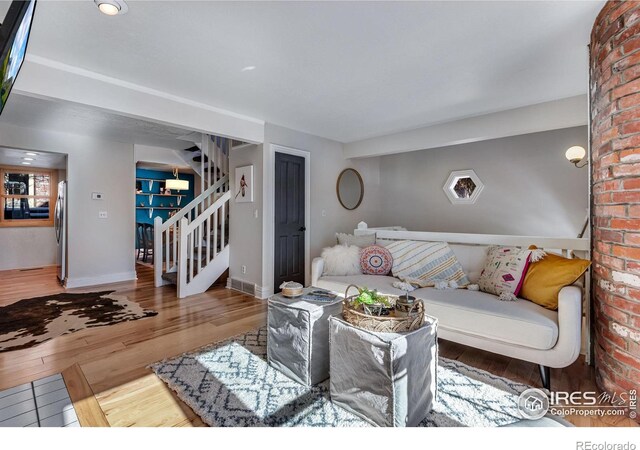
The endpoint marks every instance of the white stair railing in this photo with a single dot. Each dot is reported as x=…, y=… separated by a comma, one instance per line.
x=192, y=245
x=203, y=252
x=167, y=234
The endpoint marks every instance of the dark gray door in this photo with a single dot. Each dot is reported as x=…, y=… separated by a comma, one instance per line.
x=289, y=216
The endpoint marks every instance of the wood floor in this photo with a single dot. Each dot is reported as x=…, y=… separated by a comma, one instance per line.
x=105, y=367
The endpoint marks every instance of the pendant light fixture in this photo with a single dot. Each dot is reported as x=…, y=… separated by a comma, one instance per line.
x=176, y=184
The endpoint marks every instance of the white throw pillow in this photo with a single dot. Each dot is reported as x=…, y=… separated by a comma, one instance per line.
x=341, y=260
x=359, y=241
x=504, y=271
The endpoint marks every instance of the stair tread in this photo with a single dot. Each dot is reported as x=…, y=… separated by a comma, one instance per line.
x=171, y=277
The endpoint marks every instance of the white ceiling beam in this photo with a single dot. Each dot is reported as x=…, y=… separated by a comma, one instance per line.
x=554, y=115
x=45, y=78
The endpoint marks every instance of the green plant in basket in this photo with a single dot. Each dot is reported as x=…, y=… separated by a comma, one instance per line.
x=371, y=301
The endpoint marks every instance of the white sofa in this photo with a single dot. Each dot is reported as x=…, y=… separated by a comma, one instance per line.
x=519, y=329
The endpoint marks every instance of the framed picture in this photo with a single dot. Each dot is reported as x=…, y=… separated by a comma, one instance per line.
x=243, y=186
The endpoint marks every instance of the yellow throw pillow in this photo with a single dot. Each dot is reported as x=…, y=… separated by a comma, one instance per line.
x=547, y=277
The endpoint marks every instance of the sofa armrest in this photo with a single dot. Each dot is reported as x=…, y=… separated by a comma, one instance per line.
x=569, y=326
x=317, y=268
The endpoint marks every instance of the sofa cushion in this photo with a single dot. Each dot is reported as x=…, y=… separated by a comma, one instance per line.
x=471, y=258
x=342, y=260
x=504, y=271
x=477, y=313
x=545, y=278
x=376, y=260
x=426, y=261
x=338, y=284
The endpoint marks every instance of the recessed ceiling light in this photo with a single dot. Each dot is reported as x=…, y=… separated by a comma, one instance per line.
x=26, y=163
x=28, y=159
x=248, y=68
x=112, y=7
x=31, y=154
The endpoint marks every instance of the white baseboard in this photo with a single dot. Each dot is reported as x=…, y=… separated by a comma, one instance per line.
x=101, y=279
x=263, y=292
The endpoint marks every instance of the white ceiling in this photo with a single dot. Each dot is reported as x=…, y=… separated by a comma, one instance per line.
x=43, y=160
x=78, y=119
x=343, y=70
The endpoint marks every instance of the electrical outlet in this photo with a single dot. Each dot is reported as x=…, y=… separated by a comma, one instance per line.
x=255, y=213
x=324, y=213
x=243, y=268
x=102, y=215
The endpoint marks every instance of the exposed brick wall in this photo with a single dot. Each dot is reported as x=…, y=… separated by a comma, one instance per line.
x=615, y=170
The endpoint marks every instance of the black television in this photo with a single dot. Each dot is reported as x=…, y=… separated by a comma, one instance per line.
x=14, y=35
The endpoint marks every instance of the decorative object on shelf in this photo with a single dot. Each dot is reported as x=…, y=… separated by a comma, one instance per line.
x=142, y=204
x=171, y=205
x=463, y=187
x=350, y=189
x=139, y=187
x=374, y=312
x=576, y=154
x=167, y=191
x=291, y=289
x=176, y=184
x=244, y=184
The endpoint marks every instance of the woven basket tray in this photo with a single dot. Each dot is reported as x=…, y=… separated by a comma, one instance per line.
x=396, y=322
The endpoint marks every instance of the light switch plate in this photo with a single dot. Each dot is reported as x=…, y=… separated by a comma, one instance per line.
x=102, y=215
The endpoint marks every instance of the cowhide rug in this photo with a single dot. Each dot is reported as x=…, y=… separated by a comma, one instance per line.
x=32, y=321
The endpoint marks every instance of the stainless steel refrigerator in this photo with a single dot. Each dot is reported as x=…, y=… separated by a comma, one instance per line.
x=60, y=223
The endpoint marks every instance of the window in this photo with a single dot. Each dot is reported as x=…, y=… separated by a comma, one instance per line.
x=28, y=196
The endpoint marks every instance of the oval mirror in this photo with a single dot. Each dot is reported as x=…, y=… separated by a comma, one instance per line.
x=350, y=189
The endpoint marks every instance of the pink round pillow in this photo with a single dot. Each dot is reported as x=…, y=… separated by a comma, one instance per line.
x=376, y=260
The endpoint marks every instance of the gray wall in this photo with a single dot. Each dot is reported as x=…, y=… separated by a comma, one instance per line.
x=27, y=247
x=100, y=250
x=245, y=235
x=530, y=188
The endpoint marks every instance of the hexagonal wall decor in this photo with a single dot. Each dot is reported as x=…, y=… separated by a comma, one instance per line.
x=463, y=187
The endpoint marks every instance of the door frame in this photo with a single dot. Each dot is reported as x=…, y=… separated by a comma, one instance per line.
x=269, y=259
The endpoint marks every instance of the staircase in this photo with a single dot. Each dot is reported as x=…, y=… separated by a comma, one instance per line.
x=191, y=249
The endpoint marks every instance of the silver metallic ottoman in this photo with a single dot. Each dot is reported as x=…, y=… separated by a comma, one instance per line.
x=298, y=337
x=388, y=379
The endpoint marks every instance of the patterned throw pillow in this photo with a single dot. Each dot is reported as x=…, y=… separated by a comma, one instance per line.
x=376, y=260
x=504, y=271
x=426, y=261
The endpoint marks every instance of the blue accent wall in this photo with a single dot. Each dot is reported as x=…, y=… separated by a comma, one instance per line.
x=142, y=215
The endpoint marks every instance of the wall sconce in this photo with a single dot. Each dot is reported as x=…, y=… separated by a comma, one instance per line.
x=576, y=154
